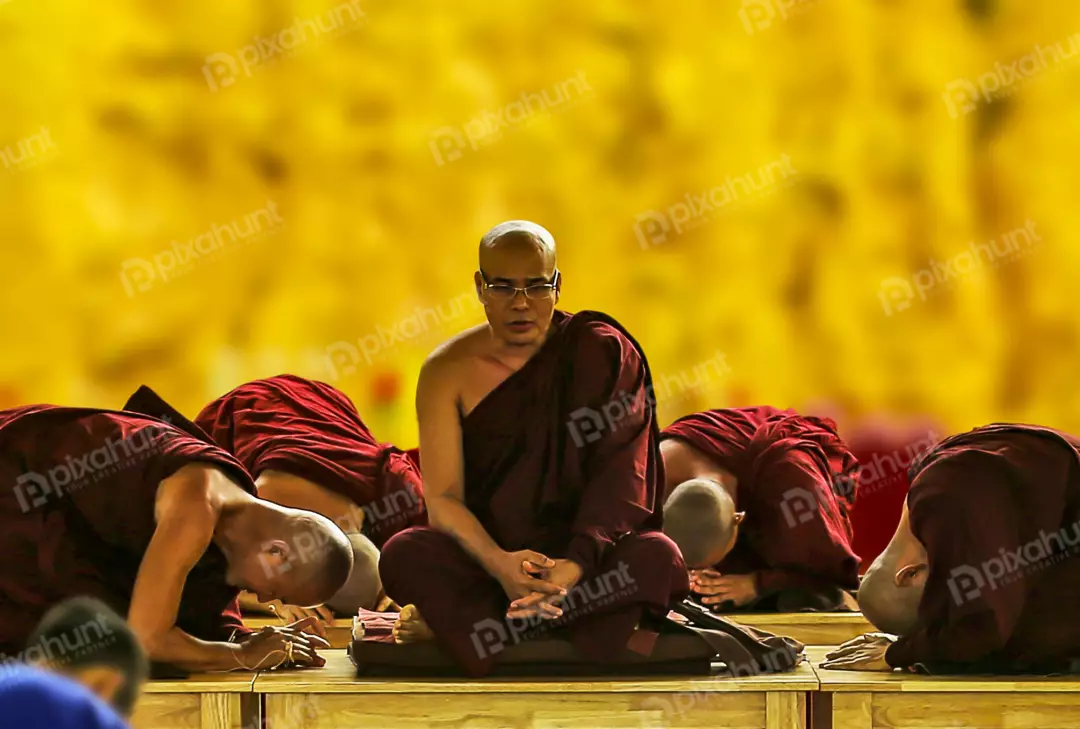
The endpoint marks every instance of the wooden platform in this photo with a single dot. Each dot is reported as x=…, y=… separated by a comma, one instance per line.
x=807, y=628
x=333, y=698
x=899, y=700
x=207, y=701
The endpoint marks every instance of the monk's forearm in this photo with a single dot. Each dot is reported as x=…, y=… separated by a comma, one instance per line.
x=191, y=654
x=973, y=638
x=454, y=518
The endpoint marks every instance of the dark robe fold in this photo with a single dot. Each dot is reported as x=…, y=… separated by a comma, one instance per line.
x=562, y=457
x=312, y=430
x=77, y=514
x=795, y=481
x=998, y=511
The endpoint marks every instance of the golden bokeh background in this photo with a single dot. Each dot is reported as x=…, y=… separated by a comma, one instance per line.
x=340, y=161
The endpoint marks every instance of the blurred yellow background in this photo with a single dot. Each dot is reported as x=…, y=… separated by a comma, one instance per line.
x=867, y=204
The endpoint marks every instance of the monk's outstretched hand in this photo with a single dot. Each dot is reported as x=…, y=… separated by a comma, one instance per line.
x=523, y=573
x=275, y=647
x=864, y=653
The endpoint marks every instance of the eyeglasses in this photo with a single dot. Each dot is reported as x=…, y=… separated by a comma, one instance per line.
x=535, y=292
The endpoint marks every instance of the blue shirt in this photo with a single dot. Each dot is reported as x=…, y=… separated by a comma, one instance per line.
x=34, y=699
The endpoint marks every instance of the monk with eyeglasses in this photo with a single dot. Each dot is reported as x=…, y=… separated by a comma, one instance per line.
x=540, y=458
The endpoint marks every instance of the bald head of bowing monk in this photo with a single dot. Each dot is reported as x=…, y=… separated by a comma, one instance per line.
x=541, y=470
x=893, y=585
x=701, y=518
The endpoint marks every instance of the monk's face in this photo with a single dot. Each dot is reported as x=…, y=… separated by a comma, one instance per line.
x=518, y=261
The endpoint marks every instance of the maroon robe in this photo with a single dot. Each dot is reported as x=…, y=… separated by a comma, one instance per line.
x=312, y=430
x=998, y=511
x=77, y=515
x=795, y=481
x=562, y=457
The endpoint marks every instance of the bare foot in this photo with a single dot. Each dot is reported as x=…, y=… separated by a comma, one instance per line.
x=410, y=627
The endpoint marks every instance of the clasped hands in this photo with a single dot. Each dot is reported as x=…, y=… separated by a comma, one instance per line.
x=536, y=584
x=716, y=588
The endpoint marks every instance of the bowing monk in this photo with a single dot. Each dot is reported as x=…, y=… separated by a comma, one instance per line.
x=542, y=475
x=162, y=527
x=758, y=502
x=983, y=572
x=307, y=448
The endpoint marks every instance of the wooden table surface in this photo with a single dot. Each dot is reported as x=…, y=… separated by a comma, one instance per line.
x=339, y=676
x=201, y=701
x=808, y=628
x=902, y=700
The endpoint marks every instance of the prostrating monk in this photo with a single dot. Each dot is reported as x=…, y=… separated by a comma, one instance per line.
x=542, y=475
x=307, y=448
x=758, y=503
x=983, y=572
x=160, y=526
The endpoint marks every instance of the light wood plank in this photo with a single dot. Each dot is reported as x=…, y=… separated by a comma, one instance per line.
x=498, y=711
x=976, y=711
x=339, y=676
x=785, y=710
x=168, y=711
x=852, y=711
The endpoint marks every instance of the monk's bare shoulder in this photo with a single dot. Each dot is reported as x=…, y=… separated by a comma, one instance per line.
x=446, y=366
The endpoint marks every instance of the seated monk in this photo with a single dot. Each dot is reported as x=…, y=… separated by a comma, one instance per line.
x=758, y=502
x=307, y=448
x=542, y=475
x=160, y=526
x=983, y=572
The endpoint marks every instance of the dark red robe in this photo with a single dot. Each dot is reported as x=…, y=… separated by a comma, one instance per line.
x=77, y=514
x=998, y=511
x=796, y=483
x=312, y=430
x=562, y=457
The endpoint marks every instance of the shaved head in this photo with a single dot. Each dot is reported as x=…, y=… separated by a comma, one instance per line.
x=364, y=588
x=518, y=233
x=518, y=282
x=700, y=518
x=889, y=606
x=298, y=557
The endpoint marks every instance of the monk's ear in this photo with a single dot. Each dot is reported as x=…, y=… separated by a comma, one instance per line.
x=739, y=516
x=274, y=557
x=909, y=574
x=478, y=281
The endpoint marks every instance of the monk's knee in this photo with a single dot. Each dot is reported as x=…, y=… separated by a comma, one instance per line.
x=653, y=550
x=409, y=552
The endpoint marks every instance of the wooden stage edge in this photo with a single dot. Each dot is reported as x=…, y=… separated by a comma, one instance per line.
x=807, y=628
x=899, y=700
x=327, y=699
